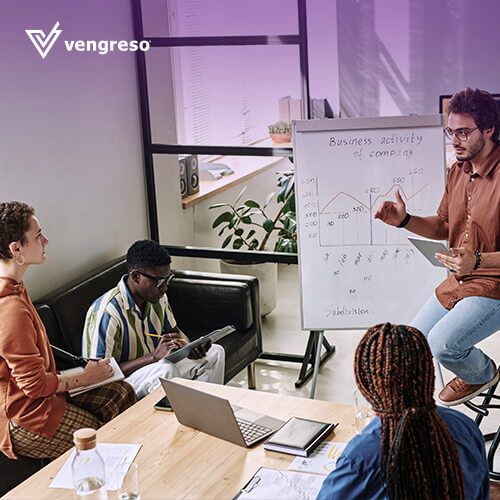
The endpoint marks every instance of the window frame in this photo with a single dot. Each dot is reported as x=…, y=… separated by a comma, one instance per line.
x=150, y=148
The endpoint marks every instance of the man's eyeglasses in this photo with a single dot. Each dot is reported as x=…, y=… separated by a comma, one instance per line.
x=462, y=134
x=159, y=282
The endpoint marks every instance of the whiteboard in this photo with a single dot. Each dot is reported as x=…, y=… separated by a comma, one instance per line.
x=356, y=271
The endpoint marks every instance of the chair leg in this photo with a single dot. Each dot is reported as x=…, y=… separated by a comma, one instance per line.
x=482, y=410
x=494, y=437
x=251, y=376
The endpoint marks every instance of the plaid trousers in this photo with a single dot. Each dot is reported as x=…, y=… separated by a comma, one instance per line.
x=91, y=409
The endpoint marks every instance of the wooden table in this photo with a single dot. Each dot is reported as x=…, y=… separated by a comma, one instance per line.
x=179, y=462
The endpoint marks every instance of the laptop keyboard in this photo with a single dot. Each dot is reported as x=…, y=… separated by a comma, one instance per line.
x=252, y=431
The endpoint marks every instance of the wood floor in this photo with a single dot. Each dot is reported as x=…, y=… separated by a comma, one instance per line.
x=494, y=490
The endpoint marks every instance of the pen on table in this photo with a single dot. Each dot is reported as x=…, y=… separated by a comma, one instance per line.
x=160, y=336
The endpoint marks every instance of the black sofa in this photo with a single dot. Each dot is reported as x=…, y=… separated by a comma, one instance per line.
x=201, y=302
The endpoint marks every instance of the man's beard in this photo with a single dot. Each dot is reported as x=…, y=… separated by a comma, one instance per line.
x=472, y=152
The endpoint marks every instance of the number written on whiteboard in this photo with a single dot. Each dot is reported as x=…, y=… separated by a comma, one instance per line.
x=309, y=198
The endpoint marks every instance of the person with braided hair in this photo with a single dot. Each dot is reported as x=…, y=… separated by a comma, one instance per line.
x=411, y=449
x=465, y=307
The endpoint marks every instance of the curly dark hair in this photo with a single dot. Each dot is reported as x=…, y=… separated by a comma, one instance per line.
x=145, y=254
x=14, y=222
x=394, y=371
x=481, y=105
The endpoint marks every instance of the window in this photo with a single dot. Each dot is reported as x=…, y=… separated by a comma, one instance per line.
x=228, y=95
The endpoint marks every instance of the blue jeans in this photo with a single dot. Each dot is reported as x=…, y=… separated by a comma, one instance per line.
x=453, y=333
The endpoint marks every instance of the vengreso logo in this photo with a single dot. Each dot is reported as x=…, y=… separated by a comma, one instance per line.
x=43, y=43
x=103, y=47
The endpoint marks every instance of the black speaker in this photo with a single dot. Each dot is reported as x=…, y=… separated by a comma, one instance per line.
x=183, y=174
x=193, y=177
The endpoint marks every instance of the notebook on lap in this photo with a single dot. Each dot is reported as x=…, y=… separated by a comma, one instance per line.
x=215, y=415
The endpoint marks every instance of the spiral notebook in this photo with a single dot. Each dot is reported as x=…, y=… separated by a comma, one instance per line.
x=117, y=375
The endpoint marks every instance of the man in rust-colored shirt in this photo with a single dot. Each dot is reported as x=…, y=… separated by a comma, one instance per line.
x=466, y=306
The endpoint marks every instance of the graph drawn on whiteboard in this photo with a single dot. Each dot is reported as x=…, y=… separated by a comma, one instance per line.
x=346, y=218
x=355, y=270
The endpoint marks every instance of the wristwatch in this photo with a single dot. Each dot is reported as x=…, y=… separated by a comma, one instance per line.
x=478, y=260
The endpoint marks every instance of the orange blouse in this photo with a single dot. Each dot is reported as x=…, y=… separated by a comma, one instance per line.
x=28, y=380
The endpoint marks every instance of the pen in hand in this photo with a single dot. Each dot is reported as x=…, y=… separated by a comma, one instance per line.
x=160, y=336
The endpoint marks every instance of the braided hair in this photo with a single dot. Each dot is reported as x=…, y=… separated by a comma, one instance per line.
x=394, y=372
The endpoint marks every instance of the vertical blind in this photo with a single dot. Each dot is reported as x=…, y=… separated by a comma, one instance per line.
x=227, y=95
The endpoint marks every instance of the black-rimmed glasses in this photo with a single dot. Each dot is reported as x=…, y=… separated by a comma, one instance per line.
x=462, y=134
x=159, y=282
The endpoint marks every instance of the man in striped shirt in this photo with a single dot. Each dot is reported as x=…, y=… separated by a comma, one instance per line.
x=124, y=321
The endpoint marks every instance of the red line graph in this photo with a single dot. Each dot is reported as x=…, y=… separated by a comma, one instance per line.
x=405, y=196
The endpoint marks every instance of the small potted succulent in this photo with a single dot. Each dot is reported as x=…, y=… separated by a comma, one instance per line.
x=280, y=132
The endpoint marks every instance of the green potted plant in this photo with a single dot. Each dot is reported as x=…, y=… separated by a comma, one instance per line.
x=280, y=131
x=248, y=225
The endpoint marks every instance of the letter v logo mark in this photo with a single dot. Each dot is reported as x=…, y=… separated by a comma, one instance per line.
x=43, y=43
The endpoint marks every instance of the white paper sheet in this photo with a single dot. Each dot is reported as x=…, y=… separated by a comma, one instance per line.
x=322, y=460
x=113, y=455
x=272, y=483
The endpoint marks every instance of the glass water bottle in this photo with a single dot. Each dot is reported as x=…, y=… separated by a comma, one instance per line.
x=89, y=479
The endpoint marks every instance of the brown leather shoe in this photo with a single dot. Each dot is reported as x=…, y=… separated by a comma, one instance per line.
x=457, y=391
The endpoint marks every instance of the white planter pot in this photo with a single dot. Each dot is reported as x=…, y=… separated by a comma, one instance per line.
x=266, y=273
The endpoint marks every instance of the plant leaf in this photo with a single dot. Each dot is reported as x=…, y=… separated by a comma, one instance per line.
x=268, y=225
x=269, y=197
x=223, y=217
x=246, y=220
x=218, y=205
x=226, y=241
x=287, y=188
x=253, y=244
x=240, y=195
x=289, y=184
x=250, y=233
x=251, y=203
x=233, y=222
x=237, y=243
x=238, y=231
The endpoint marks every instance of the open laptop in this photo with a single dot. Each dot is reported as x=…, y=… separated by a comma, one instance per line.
x=217, y=417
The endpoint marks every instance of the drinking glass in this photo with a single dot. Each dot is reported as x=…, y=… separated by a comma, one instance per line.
x=129, y=489
x=363, y=412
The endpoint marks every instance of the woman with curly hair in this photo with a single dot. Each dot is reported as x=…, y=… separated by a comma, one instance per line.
x=37, y=416
x=412, y=449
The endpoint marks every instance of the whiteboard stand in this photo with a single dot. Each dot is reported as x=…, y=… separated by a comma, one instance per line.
x=312, y=356
x=319, y=336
